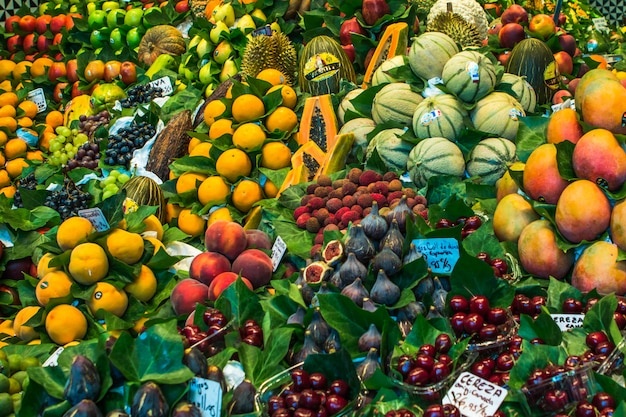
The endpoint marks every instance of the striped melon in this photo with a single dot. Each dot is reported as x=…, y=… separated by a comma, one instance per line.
x=360, y=127
x=346, y=105
x=381, y=75
x=395, y=102
x=429, y=52
x=499, y=114
x=441, y=115
x=532, y=59
x=144, y=191
x=469, y=75
x=392, y=149
x=435, y=156
x=490, y=159
x=520, y=89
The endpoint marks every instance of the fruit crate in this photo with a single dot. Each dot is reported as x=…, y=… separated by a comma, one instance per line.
x=492, y=347
x=613, y=365
x=560, y=393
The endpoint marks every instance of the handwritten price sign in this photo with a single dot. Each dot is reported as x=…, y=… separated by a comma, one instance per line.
x=206, y=395
x=441, y=254
x=475, y=396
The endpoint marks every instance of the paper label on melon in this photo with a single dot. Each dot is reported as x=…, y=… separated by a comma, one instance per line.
x=550, y=75
x=321, y=67
x=473, y=71
x=429, y=117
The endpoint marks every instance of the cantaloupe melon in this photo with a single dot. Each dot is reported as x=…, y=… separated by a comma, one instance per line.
x=435, y=156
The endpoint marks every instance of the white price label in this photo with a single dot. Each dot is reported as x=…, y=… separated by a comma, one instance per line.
x=475, y=396
x=441, y=254
x=37, y=97
x=53, y=360
x=600, y=24
x=164, y=83
x=568, y=321
x=278, y=250
x=206, y=395
x=96, y=217
x=567, y=104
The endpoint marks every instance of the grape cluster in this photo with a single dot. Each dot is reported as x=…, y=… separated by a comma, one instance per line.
x=140, y=94
x=64, y=146
x=122, y=145
x=87, y=156
x=89, y=124
x=28, y=183
x=68, y=200
x=113, y=183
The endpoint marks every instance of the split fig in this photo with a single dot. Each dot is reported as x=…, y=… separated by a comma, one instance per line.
x=316, y=272
x=333, y=252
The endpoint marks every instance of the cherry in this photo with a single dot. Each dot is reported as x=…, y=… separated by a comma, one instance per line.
x=434, y=410
x=443, y=343
x=458, y=303
x=603, y=400
x=321, y=412
x=588, y=356
x=537, y=341
x=473, y=323
x=300, y=379
x=620, y=320
x=190, y=330
x=418, y=377
x=536, y=377
x=322, y=395
x=281, y=412
x=572, y=306
x=490, y=363
x=446, y=359
x=428, y=349
x=457, y=322
x=439, y=372
x=592, y=301
x=488, y=332
x=482, y=370
x=460, y=221
x=424, y=361
x=555, y=399
x=303, y=412
x=443, y=224
x=607, y=412
x=593, y=339
x=309, y=399
x=496, y=379
x=515, y=341
x=537, y=302
x=621, y=305
x=497, y=315
x=525, y=306
x=451, y=410
x=505, y=362
x=479, y=304
x=335, y=403
x=516, y=301
x=292, y=400
x=253, y=340
x=572, y=362
x=585, y=409
x=500, y=264
x=318, y=380
x=604, y=348
x=483, y=256
x=473, y=223
x=515, y=351
x=404, y=365
x=274, y=403
x=339, y=387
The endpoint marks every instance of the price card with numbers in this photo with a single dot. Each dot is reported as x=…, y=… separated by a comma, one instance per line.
x=441, y=254
x=206, y=395
x=278, y=250
x=53, y=360
x=164, y=83
x=37, y=97
x=96, y=217
x=475, y=396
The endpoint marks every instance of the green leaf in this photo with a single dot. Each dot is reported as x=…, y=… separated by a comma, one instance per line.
x=564, y=152
x=483, y=240
x=542, y=327
x=334, y=366
x=441, y=188
x=535, y=356
x=530, y=134
x=600, y=317
x=559, y=291
x=221, y=358
x=238, y=302
x=113, y=208
x=275, y=351
x=51, y=378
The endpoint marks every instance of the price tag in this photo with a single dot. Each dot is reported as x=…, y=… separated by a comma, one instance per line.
x=568, y=321
x=96, y=217
x=441, y=254
x=264, y=30
x=278, y=250
x=600, y=24
x=472, y=70
x=164, y=83
x=53, y=360
x=475, y=396
x=569, y=103
x=206, y=395
x=37, y=97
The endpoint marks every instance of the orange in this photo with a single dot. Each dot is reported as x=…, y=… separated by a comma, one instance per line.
x=6, y=85
x=20, y=70
x=9, y=98
x=25, y=122
x=249, y=137
x=88, y=263
x=8, y=191
x=8, y=122
x=109, y=298
x=6, y=68
x=73, y=231
x=65, y=323
x=30, y=108
x=220, y=128
x=4, y=178
x=3, y=138
x=172, y=211
x=213, y=190
x=246, y=194
x=94, y=70
x=216, y=109
x=43, y=266
x=26, y=333
x=270, y=189
x=275, y=155
x=40, y=67
x=34, y=155
x=7, y=111
x=55, y=284
x=54, y=118
x=188, y=181
x=272, y=76
x=190, y=223
x=233, y=163
x=247, y=107
x=290, y=98
x=283, y=119
x=15, y=166
x=193, y=142
x=14, y=148
x=153, y=224
x=221, y=213
x=3, y=160
x=144, y=286
x=45, y=138
x=202, y=149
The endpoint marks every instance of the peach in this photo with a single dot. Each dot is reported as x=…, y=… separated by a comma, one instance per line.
x=207, y=265
x=598, y=268
x=226, y=237
x=539, y=253
x=258, y=239
x=564, y=125
x=598, y=157
x=542, y=180
x=186, y=294
x=513, y=213
x=583, y=211
x=223, y=281
x=255, y=265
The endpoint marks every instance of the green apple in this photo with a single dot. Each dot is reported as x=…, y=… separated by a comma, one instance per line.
x=109, y=5
x=203, y=48
x=246, y=24
x=225, y=13
x=91, y=7
x=98, y=38
x=133, y=37
x=133, y=17
x=186, y=72
x=259, y=16
x=222, y=52
x=117, y=40
x=97, y=19
x=194, y=41
x=149, y=11
x=229, y=69
x=217, y=30
x=205, y=74
x=115, y=18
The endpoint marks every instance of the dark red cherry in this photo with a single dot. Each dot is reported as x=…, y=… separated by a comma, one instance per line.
x=537, y=341
x=603, y=400
x=536, y=377
x=591, y=302
x=418, y=377
x=404, y=366
x=443, y=343
x=483, y=256
x=525, y=306
x=451, y=410
x=439, y=372
x=428, y=349
x=572, y=362
x=482, y=370
x=458, y=303
x=585, y=409
x=473, y=223
x=555, y=400
x=339, y=387
x=620, y=320
x=572, y=306
x=607, y=412
x=604, y=348
x=488, y=332
x=497, y=315
x=253, y=340
x=490, y=363
x=621, y=305
x=460, y=221
x=479, y=304
x=515, y=351
x=434, y=410
x=310, y=399
x=292, y=401
x=505, y=362
x=303, y=412
x=500, y=264
x=537, y=302
x=275, y=402
x=457, y=322
x=335, y=403
x=281, y=412
x=593, y=339
x=321, y=412
x=443, y=224
x=318, y=380
x=447, y=359
x=424, y=361
x=473, y=323
x=515, y=341
x=300, y=379
x=495, y=379
x=588, y=356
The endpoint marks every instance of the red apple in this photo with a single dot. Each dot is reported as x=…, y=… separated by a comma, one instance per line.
x=112, y=70
x=30, y=43
x=11, y=22
x=42, y=23
x=494, y=29
x=57, y=70
x=511, y=34
x=560, y=96
x=128, y=72
x=503, y=58
x=373, y=10
x=542, y=25
x=182, y=6
x=514, y=14
x=72, y=70
x=27, y=23
x=568, y=43
x=564, y=62
x=14, y=43
x=69, y=19
x=57, y=23
x=347, y=27
x=583, y=69
x=349, y=50
x=43, y=43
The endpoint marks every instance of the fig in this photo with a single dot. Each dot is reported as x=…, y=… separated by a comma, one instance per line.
x=439, y=296
x=387, y=260
x=410, y=311
x=214, y=373
x=305, y=289
x=297, y=317
x=412, y=255
x=336, y=281
x=356, y=292
x=333, y=252
x=359, y=244
x=84, y=408
x=332, y=342
x=243, y=399
x=366, y=369
x=117, y=413
x=149, y=401
x=195, y=360
x=374, y=225
x=308, y=347
x=425, y=286
x=393, y=239
x=368, y=305
x=186, y=409
x=316, y=272
x=83, y=382
x=352, y=269
x=384, y=290
x=370, y=339
x=320, y=330
x=401, y=213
